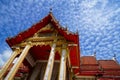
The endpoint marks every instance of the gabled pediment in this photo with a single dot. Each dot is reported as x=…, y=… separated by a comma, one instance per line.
x=45, y=36
x=47, y=31
x=48, y=26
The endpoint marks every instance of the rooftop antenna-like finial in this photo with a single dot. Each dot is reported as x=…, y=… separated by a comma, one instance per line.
x=114, y=57
x=77, y=32
x=95, y=54
x=66, y=27
x=50, y=9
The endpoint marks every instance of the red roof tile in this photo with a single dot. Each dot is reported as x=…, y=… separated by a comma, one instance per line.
x=88, y=60
x=112, y=73
x=89, y=63
x=109, y=65
x=89, y=68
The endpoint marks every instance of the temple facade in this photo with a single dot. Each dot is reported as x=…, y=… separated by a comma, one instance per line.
x=47, y=51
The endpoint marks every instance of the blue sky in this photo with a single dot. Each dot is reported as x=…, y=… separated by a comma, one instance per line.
x=97, y=21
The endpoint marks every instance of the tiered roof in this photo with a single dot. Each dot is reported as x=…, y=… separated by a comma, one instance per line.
x=89, y=66
x=110, y=67
x=106, y=69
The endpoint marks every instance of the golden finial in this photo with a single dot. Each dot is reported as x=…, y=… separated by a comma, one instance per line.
x=95, y=54
x=50, y=9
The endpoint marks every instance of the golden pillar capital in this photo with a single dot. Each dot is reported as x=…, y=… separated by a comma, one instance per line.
x=64, y=46
x=55, y=40
x=17, y=49
x=64, y=49
x=29, y=43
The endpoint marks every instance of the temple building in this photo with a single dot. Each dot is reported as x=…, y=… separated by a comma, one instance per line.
x=47, y=51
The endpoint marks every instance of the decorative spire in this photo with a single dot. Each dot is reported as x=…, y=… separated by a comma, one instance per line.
x=95, y=54
x=50, y=9
x=66, y=27
x=77, y=32
x=114, y=57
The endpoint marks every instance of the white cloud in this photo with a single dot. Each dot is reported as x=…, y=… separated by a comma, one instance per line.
x=89, y=3
x=4, y=56
x=97, y=14
x=1, y=62
x=98, y=19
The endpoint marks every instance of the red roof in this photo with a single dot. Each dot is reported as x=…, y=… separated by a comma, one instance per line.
x=112, y=73
x=89, y=63
x=88, y=60
x=89, y=66
x=32, y=30
x=109, y=65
